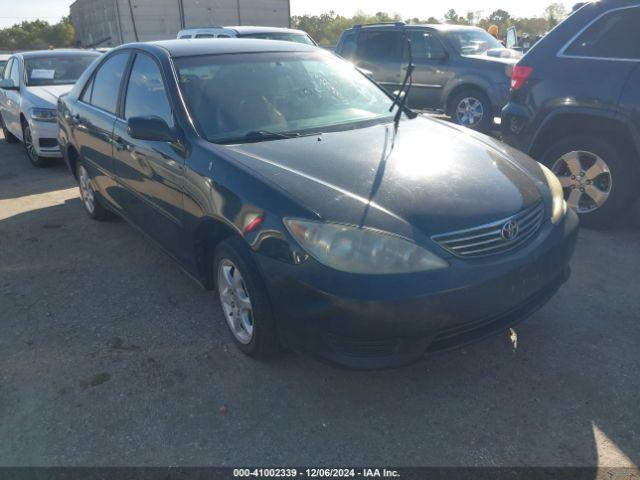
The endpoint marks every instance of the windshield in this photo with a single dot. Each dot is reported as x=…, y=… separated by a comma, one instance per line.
x=473, y=42
x=63, y=70
x=289, y=37
x=231, y=96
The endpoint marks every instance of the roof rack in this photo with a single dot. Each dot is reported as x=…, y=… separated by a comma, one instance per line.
x=395, y=24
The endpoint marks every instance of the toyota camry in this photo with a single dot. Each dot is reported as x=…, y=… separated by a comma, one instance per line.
x=329, y=217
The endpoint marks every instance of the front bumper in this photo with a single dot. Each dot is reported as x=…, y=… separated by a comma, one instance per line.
x=45, y=138
x=389, y=321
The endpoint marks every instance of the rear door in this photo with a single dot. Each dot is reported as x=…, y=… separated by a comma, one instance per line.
x=379, y=50
x=430, y=75
x=151, y=173
x=93, y=119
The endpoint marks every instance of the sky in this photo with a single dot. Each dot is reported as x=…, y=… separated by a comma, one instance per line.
x=12, y=12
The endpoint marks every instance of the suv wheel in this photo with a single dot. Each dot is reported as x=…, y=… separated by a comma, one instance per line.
x=29, y=146
x=598, y=177
x=8, y=136
x=471, y=108
x=244, y=300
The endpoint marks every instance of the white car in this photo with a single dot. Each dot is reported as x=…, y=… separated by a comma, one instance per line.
x=263, y=33
x=29, y=89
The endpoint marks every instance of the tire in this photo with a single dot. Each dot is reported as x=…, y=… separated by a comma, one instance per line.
x=88, y=196
x=476, y=101
x=8, y=136
x=29, y=147
x=232, y=257
x=577, y=159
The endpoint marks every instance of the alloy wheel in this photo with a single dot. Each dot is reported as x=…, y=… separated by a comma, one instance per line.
x=29, y=145
x=86, y=191
x=586, y=180
x=469, y=112
x=235, y=300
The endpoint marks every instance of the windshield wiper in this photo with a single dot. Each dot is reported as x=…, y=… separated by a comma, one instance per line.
x=259, y=136
x=403, y=93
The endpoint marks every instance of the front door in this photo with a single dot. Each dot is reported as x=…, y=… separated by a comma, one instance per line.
x=150, y=172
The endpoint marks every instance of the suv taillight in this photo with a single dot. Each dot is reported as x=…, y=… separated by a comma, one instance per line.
x=519, y=76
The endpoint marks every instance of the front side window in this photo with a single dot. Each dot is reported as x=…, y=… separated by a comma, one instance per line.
x=616, y=35
x=61, y=70
x=425, y=45
x=106, y=83
x=205, y=35
x=380, y=45
x=6, y=75
x=15, y=72
x=146, y=95
x=231, y=96
x=473, y=41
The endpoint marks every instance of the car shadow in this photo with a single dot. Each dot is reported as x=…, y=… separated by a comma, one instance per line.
x=112, y=356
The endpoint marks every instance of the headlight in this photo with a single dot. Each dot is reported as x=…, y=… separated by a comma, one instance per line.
x=44, y=114
x=559, y=205
x=361, y=250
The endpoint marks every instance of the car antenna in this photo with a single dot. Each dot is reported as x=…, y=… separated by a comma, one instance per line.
x=401, y=100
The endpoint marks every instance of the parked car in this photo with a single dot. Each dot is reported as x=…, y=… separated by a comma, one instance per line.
x=276, y=171
x=461, y=70
x=575, y=107
x=29, y=89
x=3, y=61
x=263, y=33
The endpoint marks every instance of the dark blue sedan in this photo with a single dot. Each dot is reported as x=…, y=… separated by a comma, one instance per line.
x=275, y=172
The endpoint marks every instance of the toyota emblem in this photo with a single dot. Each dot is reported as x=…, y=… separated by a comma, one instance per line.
x=510, y=230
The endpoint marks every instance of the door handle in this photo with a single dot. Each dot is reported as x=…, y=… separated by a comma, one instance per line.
x=119, y=144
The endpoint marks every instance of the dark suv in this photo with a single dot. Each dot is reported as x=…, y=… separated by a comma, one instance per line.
x=575, y=106
x=463, y=71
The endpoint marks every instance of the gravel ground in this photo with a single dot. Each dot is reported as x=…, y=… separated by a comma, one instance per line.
x=110, y=355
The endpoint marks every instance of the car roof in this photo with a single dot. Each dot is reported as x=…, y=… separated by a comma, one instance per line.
x=441, y=27
x=243, y=29
x=58, y=52
x=220, y=46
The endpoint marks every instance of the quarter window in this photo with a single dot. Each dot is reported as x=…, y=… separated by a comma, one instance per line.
x=146, y=95
x=616, y=35
x=380, y=45
x=106, y=83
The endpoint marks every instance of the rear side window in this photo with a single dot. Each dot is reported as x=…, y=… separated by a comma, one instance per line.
x=425, y=45
x=184, y=37
x=616, y=35
x=146, y=95
x=380, y=45
x=106, y=83
x=348, y=45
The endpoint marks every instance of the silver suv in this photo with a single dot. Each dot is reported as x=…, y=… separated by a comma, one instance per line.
x=460, y=70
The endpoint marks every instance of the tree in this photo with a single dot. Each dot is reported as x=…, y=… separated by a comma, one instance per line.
x=555, y=13
x=38, y=35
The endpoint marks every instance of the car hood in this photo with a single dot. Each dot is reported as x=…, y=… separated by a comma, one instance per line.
x=431, y=177
x=47, y=97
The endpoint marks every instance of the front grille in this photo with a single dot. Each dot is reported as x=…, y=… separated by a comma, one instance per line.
x=48, y=142
x=490, y=239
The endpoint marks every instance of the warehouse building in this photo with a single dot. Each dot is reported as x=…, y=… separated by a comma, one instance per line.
x=108, y=23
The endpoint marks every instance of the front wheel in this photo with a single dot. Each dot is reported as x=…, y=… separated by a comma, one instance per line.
x=30, y=148
x=244, y=301
x=597, y=175
x=471, y=108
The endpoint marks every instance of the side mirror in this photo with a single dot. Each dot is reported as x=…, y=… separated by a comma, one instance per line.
x=8, y=84
x=152, y=128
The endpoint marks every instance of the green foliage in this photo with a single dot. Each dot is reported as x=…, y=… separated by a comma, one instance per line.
x=37, y=35
x=326, y=28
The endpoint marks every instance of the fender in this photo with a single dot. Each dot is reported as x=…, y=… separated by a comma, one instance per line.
x=607, y=114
